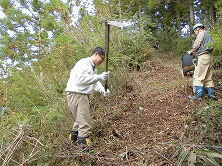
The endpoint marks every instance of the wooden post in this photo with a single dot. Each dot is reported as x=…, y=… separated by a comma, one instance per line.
x=107, y=27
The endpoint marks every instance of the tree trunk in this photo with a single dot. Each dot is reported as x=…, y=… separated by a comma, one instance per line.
x=192, y=17
x=39, y=39
x=178, y=24
x=214, y=13
x=140, y=16
x=166, y=33
x=120, y=11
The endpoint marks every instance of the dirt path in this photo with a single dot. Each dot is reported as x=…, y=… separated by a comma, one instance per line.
x=150, y=118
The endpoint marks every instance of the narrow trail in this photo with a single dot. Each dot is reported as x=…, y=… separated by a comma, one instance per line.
x=154, y=116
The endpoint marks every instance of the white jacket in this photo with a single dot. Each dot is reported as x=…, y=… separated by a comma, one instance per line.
x=83, y=79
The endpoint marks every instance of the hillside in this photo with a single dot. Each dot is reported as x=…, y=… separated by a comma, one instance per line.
x=147, y=120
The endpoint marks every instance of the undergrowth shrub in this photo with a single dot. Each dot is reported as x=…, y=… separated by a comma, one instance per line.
x=183, y=45
x=136, y=49
x=217, y=51
x=203, y=142
x=3, y=93
x=207, y=124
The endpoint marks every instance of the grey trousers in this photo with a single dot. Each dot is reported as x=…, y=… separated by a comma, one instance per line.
x=78, y=104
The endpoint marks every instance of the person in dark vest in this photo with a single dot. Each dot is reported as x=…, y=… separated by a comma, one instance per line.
x=156, y=45
x=203, y=72
x=188, y=65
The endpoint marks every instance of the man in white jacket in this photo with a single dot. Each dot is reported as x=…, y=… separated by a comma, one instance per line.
x=83, y=80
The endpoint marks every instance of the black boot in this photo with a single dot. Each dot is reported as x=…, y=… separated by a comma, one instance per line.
x=84, y=140
x=73, y=136
x=84, y=143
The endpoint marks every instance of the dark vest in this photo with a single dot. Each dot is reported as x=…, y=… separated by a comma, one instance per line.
x=187, y=59
x=206, y=44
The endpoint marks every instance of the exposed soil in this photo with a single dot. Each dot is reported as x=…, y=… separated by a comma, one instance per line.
x=145, y=124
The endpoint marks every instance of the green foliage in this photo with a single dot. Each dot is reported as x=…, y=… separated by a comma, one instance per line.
x=34, y=99
x=204, y=131
x=28, y=87
x=168, y=42
x=202, y=154
x=217, y=50
x=183, y=45
x=2, y=110
x=207, y=122
x=136, y=48
x=28, y=37
x=5, y=4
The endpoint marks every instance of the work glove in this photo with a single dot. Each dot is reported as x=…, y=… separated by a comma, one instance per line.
x=189, y=52
x=104, y=76
x=194, y=61
x=107, y=93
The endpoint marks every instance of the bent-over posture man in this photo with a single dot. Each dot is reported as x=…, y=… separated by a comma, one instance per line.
x=202, y=77
x=83, y=80
x=187, y=65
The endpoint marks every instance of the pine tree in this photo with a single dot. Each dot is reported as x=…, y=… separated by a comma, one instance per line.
x=29, y=26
